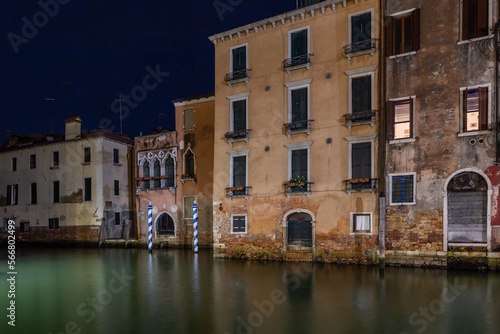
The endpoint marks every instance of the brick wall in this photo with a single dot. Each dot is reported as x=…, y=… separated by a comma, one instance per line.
x=495, y=238
x=62, y=234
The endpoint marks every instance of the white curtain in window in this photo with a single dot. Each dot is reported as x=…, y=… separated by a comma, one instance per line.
x=362, y=223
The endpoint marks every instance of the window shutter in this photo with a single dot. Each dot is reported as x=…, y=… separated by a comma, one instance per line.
x=389, y=31
x=299, y=43
x=411, y=119
x=464, y=110
x=188, y=119
x=299, y=105
x=465, y=21
x=482, y=18
x=415, y=30
x=239, y=171
x=361, y=161
x=239, y=115
x=483, y=108
x=299, y=163
x=389, y=120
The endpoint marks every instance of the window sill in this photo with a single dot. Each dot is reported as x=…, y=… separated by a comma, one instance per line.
x=473, y=133
x=474, y=40
x=409, y=203
x=370, y=51
x=238, y=196
x=362, y=233
x=403, y=55
x=85, y=163
x=54, y=167
x=303, y=193
x=116, y=164
x=241, y=233
x=367, y=190
x=230, y=83
x=402, y=141
x=297, y=67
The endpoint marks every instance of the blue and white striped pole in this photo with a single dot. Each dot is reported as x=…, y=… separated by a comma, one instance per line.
x=195, y=226
x=150, y=228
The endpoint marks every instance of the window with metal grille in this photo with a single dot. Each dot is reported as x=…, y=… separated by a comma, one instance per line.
x=165, y=225
x=188, y=206
x=53, y=223
x=403, y=189
x=239, y=224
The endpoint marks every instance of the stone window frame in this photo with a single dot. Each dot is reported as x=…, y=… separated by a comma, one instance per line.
x=352, y=216
x=290, y=32
x=461, y=132
x=391, y=175
x=246, y=223
x=299, y=85
x=413, y=98
x=359, y=140
x=361, y=72
x=232, y=155
x=231, y=55
x=372, y=28
x=234, y=98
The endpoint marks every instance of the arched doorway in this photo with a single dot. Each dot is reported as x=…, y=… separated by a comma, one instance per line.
x=467, y=209
x=299, y=230
x=165, y=225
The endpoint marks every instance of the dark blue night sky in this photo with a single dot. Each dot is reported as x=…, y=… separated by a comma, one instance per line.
x=89, y=51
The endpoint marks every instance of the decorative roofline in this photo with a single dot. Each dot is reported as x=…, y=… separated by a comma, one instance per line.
x=272, y=21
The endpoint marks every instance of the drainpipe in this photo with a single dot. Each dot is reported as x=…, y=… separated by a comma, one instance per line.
x=381, y=139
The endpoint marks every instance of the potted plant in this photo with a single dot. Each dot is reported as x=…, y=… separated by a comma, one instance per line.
x=297, y=181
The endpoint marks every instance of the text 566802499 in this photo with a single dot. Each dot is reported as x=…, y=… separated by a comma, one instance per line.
x=11, y=273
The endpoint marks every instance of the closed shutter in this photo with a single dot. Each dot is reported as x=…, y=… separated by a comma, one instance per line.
x=239, y=224
x=361, y=92
x=361, y=160
x=299, y=43
x=239, y=171
x=389, y=31
x=299, y=105
x=361, y=28
x=299, y=163
x=389, y=120
x=415, y=30
x=483, y=108
x=188, y=119
x=188, y=206
x=482, y=18
x=464, y=110
x=467, y=216
x=465, y=20
x=239, y=115
x=411, y=118
x=239, y=59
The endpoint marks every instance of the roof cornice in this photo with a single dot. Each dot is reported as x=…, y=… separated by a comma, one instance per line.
x=282, y=18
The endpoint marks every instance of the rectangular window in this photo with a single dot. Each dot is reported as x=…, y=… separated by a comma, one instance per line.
x=33, y=193
x=403, y=33
x=53, y=223
x=188, y=119
x=239, y=115
x=299, y=163
x=239, y=58
x=14, y=164
x=33, y=161
x=116, y=156
x=86, y=152
x=117, y=188
x=475, y=109
x=188, y=202
x=361, y=93
x=24, y=227
x=55, y=186
x=361, y=163
x=361, y=27
x=239, y=224
x=117, y=218
x=239, y=171
x=5, y=223
x=474, y=19
x=88, y=189
x=403, y=189
x=361, y=223
x=298, y=43
x=12, y=194
x=400, y=119
x=55, y=159
x=299, y=104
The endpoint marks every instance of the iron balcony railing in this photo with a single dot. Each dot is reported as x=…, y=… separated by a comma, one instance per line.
x=159, y=182
x=237, y=75
x=237, y=191
x=238, y=134
x=297, y=61
x=361, y=116
x=304, y=125
x=304, y=187
x=367, y=44
x=361, y=184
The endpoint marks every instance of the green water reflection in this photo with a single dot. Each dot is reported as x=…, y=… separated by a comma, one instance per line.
x=174, y=291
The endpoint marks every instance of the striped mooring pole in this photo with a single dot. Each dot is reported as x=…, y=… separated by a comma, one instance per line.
x=150, y=228
x=195, y=227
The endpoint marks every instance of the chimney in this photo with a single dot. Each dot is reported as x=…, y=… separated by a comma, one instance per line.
x=73, y=128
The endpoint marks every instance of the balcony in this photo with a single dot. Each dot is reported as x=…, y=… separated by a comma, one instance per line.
x=293, y=189
x=152, y=183
x=295, y=63
x=298, y=127
x=236, y=77
x=237, y=192
x=360, y=48
x=238, y=135
x=360, y=118
x=361, y=185
x=188, y=177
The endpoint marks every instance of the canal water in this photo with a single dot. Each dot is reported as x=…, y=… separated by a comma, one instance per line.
x=174, y=291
